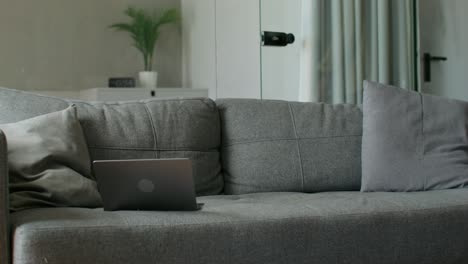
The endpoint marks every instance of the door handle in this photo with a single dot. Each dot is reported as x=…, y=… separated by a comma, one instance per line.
x=278, y=39
x=428, y=58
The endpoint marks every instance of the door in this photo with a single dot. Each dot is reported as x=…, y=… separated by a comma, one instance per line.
x=443, y=47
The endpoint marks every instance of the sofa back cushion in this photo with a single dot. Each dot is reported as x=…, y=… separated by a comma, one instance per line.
x=153, y=128
x=289, y=146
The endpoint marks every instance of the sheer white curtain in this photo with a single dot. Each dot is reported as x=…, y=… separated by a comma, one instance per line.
x=348, y=41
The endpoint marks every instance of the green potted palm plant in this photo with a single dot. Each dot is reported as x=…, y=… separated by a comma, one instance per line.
x=144, y=28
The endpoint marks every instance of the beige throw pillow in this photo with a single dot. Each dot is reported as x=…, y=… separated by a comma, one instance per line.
x=49, y=163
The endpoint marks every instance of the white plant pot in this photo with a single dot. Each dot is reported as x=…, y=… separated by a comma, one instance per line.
x=148, y=79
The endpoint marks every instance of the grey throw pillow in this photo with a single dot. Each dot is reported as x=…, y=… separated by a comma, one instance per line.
x=49, y=163
x=412, y=141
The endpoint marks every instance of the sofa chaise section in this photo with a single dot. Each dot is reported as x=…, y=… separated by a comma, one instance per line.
x=332, y=227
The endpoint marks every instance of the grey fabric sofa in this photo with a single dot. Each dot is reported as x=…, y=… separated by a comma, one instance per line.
x=280, y=182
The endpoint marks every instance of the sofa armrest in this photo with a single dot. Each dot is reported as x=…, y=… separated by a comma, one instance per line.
x=4, y=202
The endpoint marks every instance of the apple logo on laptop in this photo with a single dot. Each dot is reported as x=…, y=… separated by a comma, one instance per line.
x=145, y=185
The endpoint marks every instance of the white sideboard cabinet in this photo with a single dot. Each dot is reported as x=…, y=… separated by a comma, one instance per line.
x=122, y=94
x=125, y=94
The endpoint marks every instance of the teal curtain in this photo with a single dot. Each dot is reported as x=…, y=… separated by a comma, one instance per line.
x=348, y=41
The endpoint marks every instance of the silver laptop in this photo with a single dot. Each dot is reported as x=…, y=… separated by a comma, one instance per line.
x=146, y=184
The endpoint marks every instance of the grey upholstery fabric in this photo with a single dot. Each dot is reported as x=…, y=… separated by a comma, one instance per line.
x=412, y=141
x=289, y=146
x=339, y=227
x=158, y=128
x=17, y=105
x=153, y=128
x=49, y=164
x=4, y=202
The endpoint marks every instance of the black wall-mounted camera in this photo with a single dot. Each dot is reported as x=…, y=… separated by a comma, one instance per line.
x=279, y=39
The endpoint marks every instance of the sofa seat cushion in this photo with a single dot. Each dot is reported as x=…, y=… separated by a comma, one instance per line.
x=335, y=227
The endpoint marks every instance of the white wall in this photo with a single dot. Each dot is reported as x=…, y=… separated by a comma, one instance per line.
x=199, y=45
x=238, y=48
x=221, y=50
x=281, y=66
x=67, y=45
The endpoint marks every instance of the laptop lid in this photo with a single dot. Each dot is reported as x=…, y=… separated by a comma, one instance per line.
x=146, y=184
